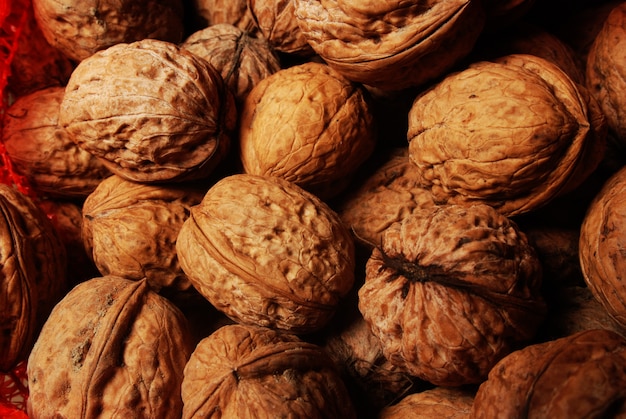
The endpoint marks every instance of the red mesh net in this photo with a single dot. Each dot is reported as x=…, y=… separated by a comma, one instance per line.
x=13, y=17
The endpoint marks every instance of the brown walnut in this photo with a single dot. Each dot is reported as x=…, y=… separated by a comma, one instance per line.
x=253, y=372
x=391, y=45
x=438, y=402
x=232, y=12
x=309, y=125
x=266, y=252
x=33, y=274
x=452, y=290
x=79, y=28
x=513, y=133
x=582, y=375
x=111, y=348
x=41, y=150
x=150, y=111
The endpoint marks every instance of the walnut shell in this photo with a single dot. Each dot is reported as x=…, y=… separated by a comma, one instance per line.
x=34, y=274
x=110, y=348
x=275, y=20
x=600, y=247
x=438, y=402
x=41, y=150
x=241, y=58
x=130, y=229
x=254, y=372
x=452, y=290
x=79, y=28
x=266, y=252
x=386, y=196
x=151, y=111
x=606, y=70
x=513, y=133
x=232, y=12
x=578, y=376
x=391, y=45
x=308, y=125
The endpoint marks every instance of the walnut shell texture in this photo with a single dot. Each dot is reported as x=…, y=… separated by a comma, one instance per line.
x=452, y=290
x=253, y=372
x=41, y=150
x=309, y=125
x=111, y=348
x=150, y=111
x=392, y=45
x=513, y=133
x=241, y=58
x=275, y=20
x=266, y=252
x=600, y=247
x=232, y=12
x=129, y=229
x=33, y=275
x=79, y=28
x=581, y=375
x=438, y=402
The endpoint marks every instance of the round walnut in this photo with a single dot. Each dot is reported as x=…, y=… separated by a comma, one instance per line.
x=129, y=229
x=253, y=372
x=388, y=195
x=110, y=348
x=42, y=152
x=602, y=238
x=266, y=252
x=309, y=125
x=391, y=45
x=33, y=274
x=79, y=28
x=241, y=58
x=150, y=111
x=513, y=133
x=438, y=402
x=606, y=70
x=451, y=291
x=579, y=376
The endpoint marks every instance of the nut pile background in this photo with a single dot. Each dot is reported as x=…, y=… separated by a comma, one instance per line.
x=304, y=208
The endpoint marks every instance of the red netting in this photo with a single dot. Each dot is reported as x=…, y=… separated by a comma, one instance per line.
x=13, y=17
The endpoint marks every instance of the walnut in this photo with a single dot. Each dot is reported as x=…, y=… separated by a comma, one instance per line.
x=40, y=149
x=241, y=58
x=110, y=348
x=232, y=12
x=391, y=45
x=275, y=20
x=386, y=196
x=266, y=252
x=606, y=74
x=513, y=133
x=309, y=125
x=151, y=111
x=79, y=28
x=129, y=229
x=600, y=247
x=438, y=402
x=452, y=290
x=34, y=274
x=251, y=372
x=581, y=375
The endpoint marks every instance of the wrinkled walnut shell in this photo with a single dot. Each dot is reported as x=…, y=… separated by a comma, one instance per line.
x=439, y=402
x=265, y=252
x=581, y=375
x=111, y=348
x=251, y=372
x=452, y=290
x=150, y=111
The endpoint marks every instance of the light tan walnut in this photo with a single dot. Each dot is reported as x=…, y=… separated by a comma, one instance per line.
x=309, y=125
x=266, y=252
x=452, y=290
x=514, y=133
x=150, y=111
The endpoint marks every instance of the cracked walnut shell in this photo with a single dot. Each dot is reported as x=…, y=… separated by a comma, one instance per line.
x=150, y=111
x=266, y=252
x=451, y=291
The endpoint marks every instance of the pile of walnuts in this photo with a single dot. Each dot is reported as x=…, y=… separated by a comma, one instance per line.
x=304, y=208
